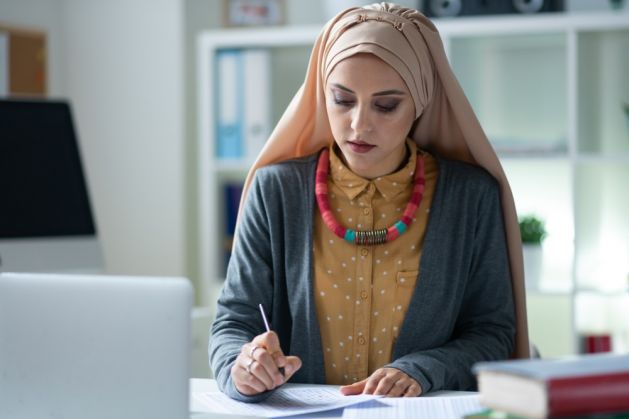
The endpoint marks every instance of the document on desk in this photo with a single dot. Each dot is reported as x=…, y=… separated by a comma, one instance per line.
x=430, y=407
x=289, y=400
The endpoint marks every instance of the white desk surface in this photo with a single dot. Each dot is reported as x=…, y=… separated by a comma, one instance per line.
x=199, y=385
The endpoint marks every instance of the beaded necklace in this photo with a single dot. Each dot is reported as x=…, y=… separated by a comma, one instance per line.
x=372, y=237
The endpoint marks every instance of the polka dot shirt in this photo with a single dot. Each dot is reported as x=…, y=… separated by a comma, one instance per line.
x=362, y=292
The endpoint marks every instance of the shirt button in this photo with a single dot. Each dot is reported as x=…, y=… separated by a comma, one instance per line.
x=363, y=294
x=366, y=211
x=361, y=340
x=364, y=251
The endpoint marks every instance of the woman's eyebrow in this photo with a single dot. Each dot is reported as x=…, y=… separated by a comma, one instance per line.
x=389, y=92
x=382, y=93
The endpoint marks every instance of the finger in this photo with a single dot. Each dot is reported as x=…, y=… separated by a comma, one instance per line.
x=246, y=383
x=355, y=388
x=385, y=384
x=373, y=381
x=292, y=365
x=268, y=341
x=251, y=366
x=265, y=366
x=413, y=390
x=399, y=388
x=250, y=385
x=271, y=343
x=280, y=361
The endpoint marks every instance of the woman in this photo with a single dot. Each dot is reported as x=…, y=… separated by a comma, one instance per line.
x=378, y=228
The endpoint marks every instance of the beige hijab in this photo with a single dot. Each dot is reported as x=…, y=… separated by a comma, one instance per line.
x=446, y=125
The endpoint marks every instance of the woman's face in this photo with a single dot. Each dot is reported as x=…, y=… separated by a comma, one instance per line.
x=371, y=112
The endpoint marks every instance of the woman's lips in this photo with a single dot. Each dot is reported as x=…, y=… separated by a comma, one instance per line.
x=360, y=146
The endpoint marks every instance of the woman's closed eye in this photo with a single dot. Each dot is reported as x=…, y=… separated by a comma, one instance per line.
x=387, y=106
x=380, y=106
x=343, y=102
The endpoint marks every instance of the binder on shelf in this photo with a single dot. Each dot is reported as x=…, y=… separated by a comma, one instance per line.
x=232, y=191
x=257, y=80
x=229, y=104
x=231, y=195
x=4, y=63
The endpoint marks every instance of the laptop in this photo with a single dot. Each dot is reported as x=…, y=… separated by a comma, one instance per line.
x=94, y=346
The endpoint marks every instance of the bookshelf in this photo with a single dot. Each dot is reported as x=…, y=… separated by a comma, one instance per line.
x=549, y=91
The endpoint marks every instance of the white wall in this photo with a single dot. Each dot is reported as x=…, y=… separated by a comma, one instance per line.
x=121, y=65
x=124, y=73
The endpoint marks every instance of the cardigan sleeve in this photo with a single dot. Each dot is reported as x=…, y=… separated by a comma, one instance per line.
x=248, y=283
x=484, y=326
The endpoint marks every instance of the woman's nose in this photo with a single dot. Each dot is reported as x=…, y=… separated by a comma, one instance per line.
x=361, y=121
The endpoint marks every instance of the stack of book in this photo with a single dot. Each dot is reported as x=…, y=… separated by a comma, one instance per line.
x=594, y=385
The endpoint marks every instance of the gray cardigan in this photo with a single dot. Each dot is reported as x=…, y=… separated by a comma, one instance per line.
x=461, y=311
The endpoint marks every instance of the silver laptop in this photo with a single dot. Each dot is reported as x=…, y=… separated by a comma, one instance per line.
x=86, y=346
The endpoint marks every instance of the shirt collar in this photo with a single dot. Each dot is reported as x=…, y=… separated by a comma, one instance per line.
x=389, y=185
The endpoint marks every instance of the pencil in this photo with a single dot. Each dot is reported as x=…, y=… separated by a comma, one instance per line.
x=268, y=329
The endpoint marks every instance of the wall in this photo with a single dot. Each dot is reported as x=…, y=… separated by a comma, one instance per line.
x=124, y=69
x=41, y=15
x=121, y=65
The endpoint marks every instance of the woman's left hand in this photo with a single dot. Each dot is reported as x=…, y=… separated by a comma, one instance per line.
x=389, y=382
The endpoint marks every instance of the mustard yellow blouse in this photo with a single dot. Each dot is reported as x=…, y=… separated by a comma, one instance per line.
x=362, y=292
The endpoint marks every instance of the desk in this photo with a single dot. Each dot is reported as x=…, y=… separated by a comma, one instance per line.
x=205, y=385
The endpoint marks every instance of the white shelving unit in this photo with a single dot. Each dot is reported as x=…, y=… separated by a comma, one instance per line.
x=549, y=91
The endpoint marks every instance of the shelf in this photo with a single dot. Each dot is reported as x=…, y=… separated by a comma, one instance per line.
x=597, y=314
x=551, y=334
x=473, y=26
x=602, y=245
x=236, y=166
x=536, y=183
x=520, y=106
x=603, y=65
x=603, y=158
x=532, y=153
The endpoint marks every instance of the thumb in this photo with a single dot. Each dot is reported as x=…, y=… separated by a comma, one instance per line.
x=356, y=388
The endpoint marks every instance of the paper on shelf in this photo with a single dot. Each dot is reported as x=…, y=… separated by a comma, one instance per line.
x=289, y=400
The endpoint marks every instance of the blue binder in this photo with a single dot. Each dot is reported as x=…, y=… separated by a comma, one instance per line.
x=229, y=104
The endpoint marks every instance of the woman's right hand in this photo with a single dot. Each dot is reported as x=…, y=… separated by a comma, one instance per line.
x=257, y=368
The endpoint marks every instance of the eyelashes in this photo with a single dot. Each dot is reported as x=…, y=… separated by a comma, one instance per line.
x=387, y=108
x=384, y=106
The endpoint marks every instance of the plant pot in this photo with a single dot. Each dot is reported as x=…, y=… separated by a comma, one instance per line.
x=532, y=265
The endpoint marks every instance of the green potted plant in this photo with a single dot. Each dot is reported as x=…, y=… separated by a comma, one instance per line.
x=533, y=232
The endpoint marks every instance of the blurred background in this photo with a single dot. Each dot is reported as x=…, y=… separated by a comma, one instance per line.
x=171, y=100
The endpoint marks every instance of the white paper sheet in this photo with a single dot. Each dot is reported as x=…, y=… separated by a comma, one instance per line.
x=435, y=407
x=286, y=401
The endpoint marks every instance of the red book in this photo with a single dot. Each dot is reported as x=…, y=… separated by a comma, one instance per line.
x=592, y=344
x=541, y=388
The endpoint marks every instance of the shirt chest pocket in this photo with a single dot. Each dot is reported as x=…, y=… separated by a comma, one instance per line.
x=404, y=288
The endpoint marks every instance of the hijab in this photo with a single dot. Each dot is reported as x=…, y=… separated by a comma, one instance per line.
x=446, y=124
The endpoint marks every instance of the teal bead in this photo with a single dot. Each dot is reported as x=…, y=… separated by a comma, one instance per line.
x=350, y=235
x=400, y=227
